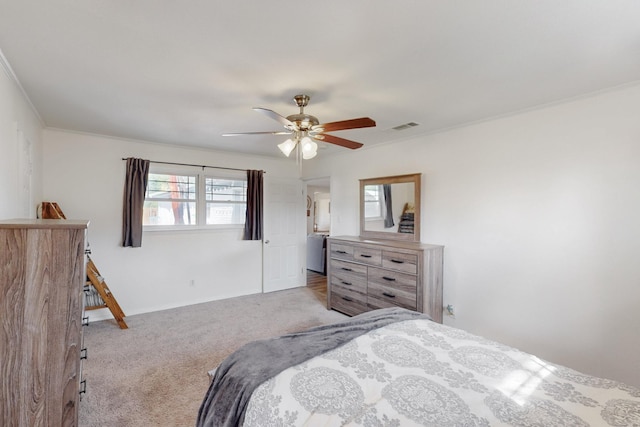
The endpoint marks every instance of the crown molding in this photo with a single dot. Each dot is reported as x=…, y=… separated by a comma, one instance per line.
x=14, y=78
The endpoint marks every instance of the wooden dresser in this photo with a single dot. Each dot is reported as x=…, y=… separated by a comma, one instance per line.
x=366, y=274
x=42, y=275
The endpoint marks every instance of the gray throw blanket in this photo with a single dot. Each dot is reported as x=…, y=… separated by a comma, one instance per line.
x=243, y=371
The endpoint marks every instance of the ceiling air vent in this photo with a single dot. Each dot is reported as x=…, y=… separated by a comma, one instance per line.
x=405, y=126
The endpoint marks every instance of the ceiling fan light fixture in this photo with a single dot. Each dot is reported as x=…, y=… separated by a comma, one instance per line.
x=310, y=155
x=287, y=146
x=309, y=148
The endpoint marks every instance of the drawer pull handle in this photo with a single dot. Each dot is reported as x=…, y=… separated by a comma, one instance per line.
x=389, y=279
x=341, y=252
x=347, y=299
x=387, y=294
x=85, y=321
x=347, y=283
x=397, y=261
x=365, y=256
x=83, y=387
x=83, y=354
x=346, y=269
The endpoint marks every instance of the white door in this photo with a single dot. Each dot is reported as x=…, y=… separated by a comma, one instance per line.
x=284, y=234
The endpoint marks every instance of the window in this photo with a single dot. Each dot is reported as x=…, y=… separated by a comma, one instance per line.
x=373, y=202
x=226, y=200
x=192, y=200
x=170, y=200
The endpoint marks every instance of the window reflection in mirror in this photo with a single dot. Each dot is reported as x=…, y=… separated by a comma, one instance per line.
x=387, y=207
x=390, y=207
x=372, y=202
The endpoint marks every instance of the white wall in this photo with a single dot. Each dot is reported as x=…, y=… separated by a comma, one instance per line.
x=85, y=175
x=20, y=150
x=539, y=213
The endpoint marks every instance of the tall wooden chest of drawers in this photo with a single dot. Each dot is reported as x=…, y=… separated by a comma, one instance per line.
x=366, y=274
x=42, y=275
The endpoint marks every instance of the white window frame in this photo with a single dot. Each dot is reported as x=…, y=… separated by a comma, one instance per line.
x=206, y=203
x=379, y=201
x=200, y=200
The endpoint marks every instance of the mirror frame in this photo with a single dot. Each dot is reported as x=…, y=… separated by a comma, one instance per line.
x=414, y=178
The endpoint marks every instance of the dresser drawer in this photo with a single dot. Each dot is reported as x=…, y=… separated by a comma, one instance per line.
x=367, y=256
x=394, y=279
x=349, y=275
x=380, y=296
x=393, y=287
x=341, y=251
x=407, y=263
x=350, y=268
x=348, y=302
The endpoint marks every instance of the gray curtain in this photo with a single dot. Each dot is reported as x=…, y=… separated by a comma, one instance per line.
x=253, y=219
x=388, y=216
x=135, y=186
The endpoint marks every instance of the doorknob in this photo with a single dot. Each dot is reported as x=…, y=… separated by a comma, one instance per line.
x=266, y=242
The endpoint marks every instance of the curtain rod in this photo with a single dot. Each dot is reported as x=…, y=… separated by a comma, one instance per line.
x=198, y=166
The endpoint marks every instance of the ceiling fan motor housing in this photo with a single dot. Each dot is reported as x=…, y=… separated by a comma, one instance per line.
x=304, y=121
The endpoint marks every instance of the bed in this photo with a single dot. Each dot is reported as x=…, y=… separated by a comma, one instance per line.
x=395, y=367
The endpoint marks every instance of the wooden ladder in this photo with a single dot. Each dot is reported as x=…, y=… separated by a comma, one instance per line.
x=108, y=300
x=95, y=284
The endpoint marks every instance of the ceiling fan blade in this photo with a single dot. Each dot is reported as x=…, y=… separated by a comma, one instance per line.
x=347, y=143
x=277, y=117
x=257, y=133
x=362, y=122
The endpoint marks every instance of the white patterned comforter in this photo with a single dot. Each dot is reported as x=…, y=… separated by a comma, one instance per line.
x=421, y=373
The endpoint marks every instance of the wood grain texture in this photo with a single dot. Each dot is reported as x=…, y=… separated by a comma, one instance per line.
x=12, y=303
x=36, y=332
x=41, y=279
x=392, y=273
x=317, y=283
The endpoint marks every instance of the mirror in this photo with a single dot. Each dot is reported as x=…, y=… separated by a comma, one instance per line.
x=390, y=207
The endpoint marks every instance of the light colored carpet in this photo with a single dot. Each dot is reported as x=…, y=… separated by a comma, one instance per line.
x=155, y=372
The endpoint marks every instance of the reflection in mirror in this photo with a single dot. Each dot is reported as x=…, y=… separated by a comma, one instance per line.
x=390, y=207
x=383, y=202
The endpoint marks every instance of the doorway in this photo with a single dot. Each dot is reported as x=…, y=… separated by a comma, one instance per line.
x=318, y=216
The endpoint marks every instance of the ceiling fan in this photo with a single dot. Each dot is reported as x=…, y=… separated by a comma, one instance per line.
x=306, y=128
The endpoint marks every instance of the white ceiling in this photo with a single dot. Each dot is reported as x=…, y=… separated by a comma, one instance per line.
x=184, y=72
